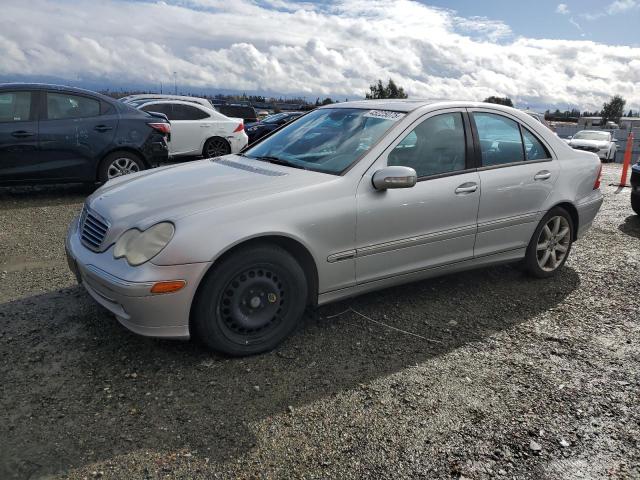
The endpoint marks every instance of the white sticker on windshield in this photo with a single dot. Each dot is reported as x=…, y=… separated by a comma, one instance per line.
x=386, y=114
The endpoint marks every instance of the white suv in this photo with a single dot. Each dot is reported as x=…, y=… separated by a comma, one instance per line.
x=197, y=129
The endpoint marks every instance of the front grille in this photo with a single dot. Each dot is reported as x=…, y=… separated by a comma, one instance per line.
x=586, y=148
x=93, y=229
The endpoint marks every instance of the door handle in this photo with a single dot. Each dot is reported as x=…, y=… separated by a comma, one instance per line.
x=543, y=175
x=468, y=187
x=102, y=128
x=22, y=134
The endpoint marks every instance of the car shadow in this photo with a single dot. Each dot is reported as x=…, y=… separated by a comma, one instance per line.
x=631, y=226
x=78, y=388
x=44, y=195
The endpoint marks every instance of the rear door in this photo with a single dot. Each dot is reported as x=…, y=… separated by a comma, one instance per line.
x=19, y=156
x=76, y=131
x=190, y=127
x=517, y=174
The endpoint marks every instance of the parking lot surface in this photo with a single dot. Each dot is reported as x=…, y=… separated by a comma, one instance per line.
x=486, y=374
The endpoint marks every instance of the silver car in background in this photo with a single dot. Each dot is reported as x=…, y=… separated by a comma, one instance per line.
x=349, y=198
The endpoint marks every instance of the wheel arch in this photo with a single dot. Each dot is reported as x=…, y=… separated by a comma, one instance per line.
x=573, y=213
x=296, y=248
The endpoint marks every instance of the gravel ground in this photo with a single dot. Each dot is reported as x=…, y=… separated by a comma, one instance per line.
x=513, y=378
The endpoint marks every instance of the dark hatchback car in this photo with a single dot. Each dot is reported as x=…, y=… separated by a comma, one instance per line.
x=257, y=130
x=635, y=188
x=246, y=113
x=54, y=134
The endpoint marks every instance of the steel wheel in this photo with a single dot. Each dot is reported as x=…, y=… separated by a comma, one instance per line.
x=553, y=243
x=216, y=147
x=122, y=166
x=252, y=302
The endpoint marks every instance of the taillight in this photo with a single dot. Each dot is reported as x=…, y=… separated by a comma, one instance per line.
x=161, y=127
x=596, y=185
x=239, y=128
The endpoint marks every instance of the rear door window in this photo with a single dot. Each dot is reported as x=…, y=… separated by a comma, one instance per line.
x=62, y=106
x=187, y=112
x=533, y=148
x=15, y=106
x=500, y=140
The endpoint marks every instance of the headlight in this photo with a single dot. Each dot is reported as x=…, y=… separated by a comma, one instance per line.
x=139, y=247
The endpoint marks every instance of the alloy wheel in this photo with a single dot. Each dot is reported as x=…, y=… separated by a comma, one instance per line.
x=216, y=148
x=553, y=243
x=122, y=166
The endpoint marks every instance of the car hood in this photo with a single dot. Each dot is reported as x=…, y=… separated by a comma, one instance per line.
x=170, y=193
x=588, y=143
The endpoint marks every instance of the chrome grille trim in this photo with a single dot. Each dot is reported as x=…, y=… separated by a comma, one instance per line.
x=93, y=229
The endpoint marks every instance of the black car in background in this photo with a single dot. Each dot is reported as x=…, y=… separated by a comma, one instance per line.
x=635, y=188
x=257, y=130
x=246, y=113
x=55, y=134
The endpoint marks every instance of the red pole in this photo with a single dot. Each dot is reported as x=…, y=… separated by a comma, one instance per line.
x=627, y=160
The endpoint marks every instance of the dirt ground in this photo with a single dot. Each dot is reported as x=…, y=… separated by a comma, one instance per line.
x=514, y=378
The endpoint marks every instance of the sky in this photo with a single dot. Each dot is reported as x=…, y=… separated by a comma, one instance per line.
x=540, y=53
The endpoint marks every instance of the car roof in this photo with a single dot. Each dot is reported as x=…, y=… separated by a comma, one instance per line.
x=53, y=87
x=409, y=105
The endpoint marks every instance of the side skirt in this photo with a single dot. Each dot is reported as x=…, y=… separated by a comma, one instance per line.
x=487, y=260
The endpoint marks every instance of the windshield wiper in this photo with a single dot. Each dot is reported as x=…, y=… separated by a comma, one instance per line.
x=279, y=161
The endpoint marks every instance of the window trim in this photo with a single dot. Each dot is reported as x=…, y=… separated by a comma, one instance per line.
x=33, y=107
x=45, y=105
x=478, y=150
x=469, y=147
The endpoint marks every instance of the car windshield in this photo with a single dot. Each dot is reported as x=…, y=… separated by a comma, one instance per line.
x=326, y=140
x=591, y=136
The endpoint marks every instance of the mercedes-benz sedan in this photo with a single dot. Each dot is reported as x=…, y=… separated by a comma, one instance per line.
x=350, y=198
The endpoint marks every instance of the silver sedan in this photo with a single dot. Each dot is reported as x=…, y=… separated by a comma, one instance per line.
x=347, y=199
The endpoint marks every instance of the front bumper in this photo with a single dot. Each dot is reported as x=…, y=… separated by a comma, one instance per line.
x=125, y=290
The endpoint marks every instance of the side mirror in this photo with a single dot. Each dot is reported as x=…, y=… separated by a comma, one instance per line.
x=394, y=177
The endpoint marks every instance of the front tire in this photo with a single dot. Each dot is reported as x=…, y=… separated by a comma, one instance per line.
x=550, y=245
x=216, y=147
x=117, y=164
x=251, y=302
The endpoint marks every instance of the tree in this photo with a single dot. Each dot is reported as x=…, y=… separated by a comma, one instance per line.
x=327, y=101
x=630, y=114
x=378, y=90
x=613, y=109
x=499, y=100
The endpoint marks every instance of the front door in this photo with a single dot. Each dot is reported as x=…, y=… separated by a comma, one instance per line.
x=517, y=173
x=76, y=131
x=433, y=223
x=18, y=136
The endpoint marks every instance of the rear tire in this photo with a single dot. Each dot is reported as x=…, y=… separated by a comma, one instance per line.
x=117, y=164
x=550, y=244
x=251, y=302
x=216, y=147
x=635, y=203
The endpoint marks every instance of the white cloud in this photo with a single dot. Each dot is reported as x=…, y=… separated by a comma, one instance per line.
x=334, y=49
x=620, y=6
x=563, y=9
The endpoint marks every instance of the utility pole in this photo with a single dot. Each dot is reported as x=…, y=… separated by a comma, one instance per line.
x=175, y=83
x=160, y=88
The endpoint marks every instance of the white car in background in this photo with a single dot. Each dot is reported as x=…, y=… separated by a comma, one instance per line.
x=139, y=99
x=596, y=141
x=197, y=129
